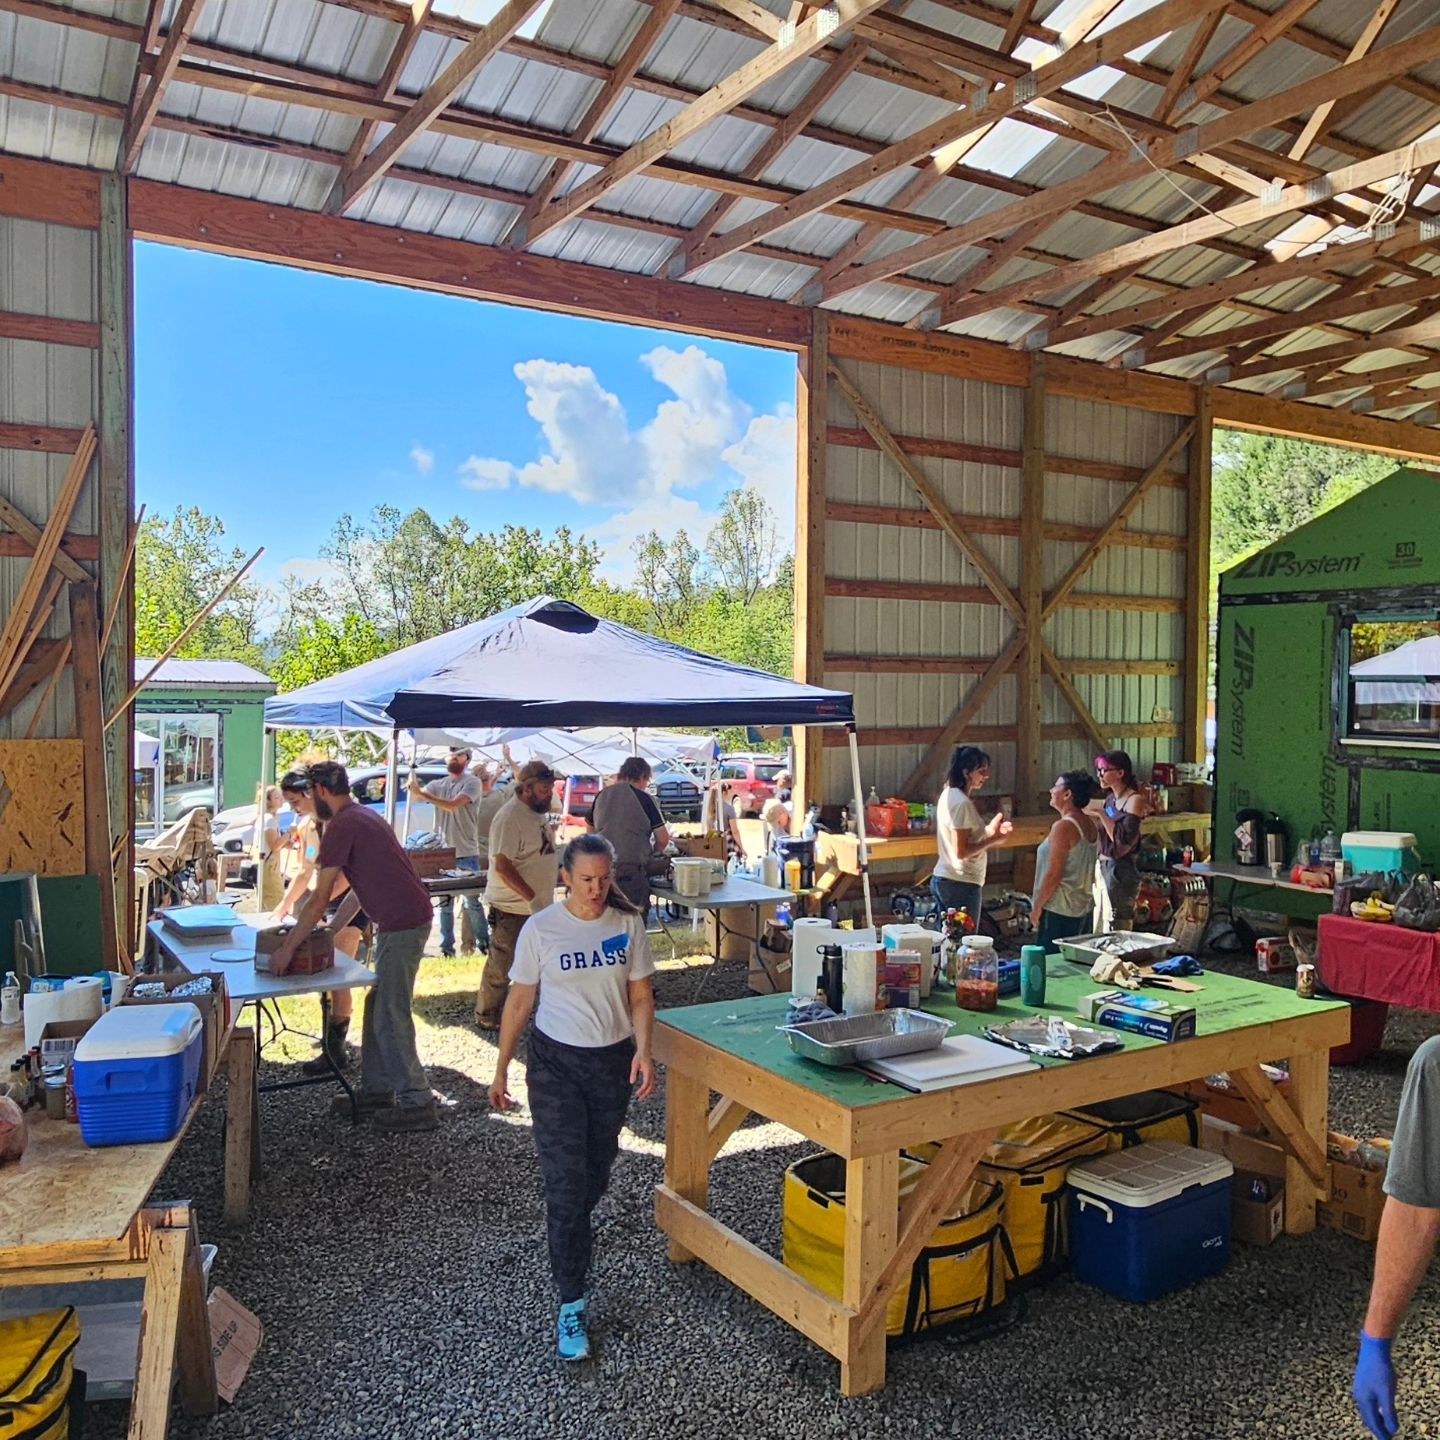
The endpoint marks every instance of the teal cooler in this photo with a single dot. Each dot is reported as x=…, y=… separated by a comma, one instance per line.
x=137, y=1070
x=1388, y=851
x=1149, y=1220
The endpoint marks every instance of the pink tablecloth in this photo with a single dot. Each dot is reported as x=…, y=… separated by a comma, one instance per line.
x=1380, y=962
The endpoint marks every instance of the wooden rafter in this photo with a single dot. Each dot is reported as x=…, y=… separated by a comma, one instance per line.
x=1015, y=27
x=1320, y=118
x=1160, y=154
x=148, y=91
x=1240, y=55
x=1200, y=38
x=1424, y=332
x=816, y=97
x=1197, y=299
x=1357, y=297
x=795, y=45
x=1116, y=523
x=405, y=43
x=1247, y=212
x=1373, y=380
x=441, y=91
x=988, y=107
x=611, y=92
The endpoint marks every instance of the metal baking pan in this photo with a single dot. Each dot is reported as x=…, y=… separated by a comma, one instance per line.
x=856, y=1039
x=1140, y=947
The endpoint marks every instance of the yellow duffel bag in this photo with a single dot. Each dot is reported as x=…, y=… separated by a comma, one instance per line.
x=1030, y=1161
x=37, y=1367
x=959, y=1275
x=1144, y=1118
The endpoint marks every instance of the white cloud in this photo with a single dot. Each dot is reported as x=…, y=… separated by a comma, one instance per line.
x=486, y=474
x=764, y=458
x=424, y=460
x=589, y=450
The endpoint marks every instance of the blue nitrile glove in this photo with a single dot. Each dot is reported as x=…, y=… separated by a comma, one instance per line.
x=1179, y=965
x=1374, y=1387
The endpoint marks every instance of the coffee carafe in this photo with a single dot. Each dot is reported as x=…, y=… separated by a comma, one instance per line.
x=1277, y=842
x=1247, y=836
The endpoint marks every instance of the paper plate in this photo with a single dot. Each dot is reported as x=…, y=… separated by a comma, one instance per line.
x=232, y=957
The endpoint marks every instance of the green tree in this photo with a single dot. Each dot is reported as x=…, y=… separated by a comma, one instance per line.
x=743, y=544
x=1266, y=485
x=181, y=564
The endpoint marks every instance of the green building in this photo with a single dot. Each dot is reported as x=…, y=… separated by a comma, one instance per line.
x=208, y=719
x=1327, y=672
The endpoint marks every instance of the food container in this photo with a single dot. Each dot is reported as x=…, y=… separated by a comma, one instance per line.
x=977, y=981
x=859, y=1038
x=864, y=977
x=692, y=877
x=1140, y=947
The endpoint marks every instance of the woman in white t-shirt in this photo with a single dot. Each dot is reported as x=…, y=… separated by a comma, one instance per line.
x=588, y=962
x=961, y=836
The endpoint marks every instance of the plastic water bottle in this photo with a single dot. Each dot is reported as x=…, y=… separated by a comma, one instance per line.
x=1032, y=974
x=812, y=816
x=10, y=1000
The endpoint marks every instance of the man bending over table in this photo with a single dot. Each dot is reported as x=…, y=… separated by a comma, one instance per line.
x=1409, y=1228
x=360, y=844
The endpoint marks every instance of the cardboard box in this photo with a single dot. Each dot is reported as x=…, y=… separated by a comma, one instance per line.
x=1138, y=1014
x=235, y=1336
x=431, y=862
x=702, y=847
x=1274, y=954
x=1218, y=1097
x=58, y=1039
x=1242, y=1149
x=214, y=1010
x=1256, y=1219
x=769, y=972
x=1357, y=1196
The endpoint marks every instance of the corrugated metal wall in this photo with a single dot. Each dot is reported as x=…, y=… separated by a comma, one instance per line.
x=1111, y=446
x=51, y=271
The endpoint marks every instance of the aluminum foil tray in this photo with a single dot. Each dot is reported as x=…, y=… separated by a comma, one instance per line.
x=856, y=1039
x=1138, y=946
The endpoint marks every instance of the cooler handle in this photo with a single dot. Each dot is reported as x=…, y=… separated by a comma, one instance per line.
x=1098, y=1204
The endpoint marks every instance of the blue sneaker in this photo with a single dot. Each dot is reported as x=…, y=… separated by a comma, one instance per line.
x=573, y=1342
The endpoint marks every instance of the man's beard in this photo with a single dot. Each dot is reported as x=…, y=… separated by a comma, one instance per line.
x=538, y=805
x=458, y=769
x=323, y=810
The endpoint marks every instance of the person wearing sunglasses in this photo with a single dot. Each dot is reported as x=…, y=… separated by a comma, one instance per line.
x=1119, y=820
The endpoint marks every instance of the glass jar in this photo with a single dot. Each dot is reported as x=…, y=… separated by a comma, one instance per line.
x=977, y=985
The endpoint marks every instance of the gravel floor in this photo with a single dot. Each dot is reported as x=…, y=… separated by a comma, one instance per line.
x=403, y=1288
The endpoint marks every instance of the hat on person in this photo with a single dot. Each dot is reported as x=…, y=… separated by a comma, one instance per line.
x=534, y=770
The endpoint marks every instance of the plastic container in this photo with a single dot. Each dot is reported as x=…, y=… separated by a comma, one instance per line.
x=864, y=977
x=1149, y=1220
x=1032, y=974
x=977, y=980
x=137, y=1070
x=1380, y=850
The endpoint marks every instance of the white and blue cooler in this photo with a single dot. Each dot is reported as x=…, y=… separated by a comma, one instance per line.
x=137, y=1069
x=1150, y=1219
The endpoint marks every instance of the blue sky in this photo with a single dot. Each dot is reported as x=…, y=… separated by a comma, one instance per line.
x=278, y=399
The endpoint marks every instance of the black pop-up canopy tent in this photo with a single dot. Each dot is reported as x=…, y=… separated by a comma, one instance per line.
x=550, y=663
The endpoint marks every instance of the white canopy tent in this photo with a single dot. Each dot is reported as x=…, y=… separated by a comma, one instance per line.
x=1390, y=686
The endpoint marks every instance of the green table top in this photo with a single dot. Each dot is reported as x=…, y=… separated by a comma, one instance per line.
x=747, y=1028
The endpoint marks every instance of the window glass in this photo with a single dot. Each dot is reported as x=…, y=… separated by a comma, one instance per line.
x=189, y=764
x=1393, y=679
x=768, y=771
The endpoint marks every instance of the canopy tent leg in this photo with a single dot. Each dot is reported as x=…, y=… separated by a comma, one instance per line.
x=392, y=773
x=863, y=850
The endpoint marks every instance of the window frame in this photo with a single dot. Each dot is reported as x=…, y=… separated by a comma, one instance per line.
x=1348, y=736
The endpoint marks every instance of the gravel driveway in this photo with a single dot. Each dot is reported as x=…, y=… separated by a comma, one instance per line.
x=403, y=1288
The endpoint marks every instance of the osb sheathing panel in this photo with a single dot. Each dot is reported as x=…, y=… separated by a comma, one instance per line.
x=42, y=806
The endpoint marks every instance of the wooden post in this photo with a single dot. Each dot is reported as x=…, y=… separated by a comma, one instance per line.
x=687, y=1148
x=85, y=662
x=1197, y=583
x=241, y=1124
x=814, y=398
x=1028, y=759
x=872, y=1217
x=116, y=507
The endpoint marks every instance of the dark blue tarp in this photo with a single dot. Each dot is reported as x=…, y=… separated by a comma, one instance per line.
x=550, y=663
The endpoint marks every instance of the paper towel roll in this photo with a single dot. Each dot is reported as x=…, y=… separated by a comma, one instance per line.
x=74, y=1002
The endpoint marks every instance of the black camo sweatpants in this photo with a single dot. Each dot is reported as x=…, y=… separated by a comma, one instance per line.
x=578, y=1099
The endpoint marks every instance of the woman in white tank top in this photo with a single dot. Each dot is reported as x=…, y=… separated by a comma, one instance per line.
x=1065, y=862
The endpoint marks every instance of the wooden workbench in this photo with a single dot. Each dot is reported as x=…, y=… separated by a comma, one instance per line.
x=734, y=1049
x=837, y=857
x=72, y=1213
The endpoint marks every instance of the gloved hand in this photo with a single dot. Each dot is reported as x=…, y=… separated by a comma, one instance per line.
x=1374, y=1387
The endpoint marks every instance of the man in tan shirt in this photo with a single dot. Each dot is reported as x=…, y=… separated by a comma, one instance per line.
x=520, y=881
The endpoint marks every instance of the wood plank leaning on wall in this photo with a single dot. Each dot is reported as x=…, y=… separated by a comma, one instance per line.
x=809, y=664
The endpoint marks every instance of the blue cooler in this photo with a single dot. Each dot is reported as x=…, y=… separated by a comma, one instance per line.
x=1389, y=851
x=137, y=1069
x=1150, y=1219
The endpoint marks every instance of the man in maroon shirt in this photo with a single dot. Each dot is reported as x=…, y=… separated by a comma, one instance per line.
x=359, y=844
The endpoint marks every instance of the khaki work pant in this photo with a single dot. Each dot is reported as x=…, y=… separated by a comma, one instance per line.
x=495, y=978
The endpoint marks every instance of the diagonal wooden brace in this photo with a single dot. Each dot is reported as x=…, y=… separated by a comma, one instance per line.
x=1283, y=1123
